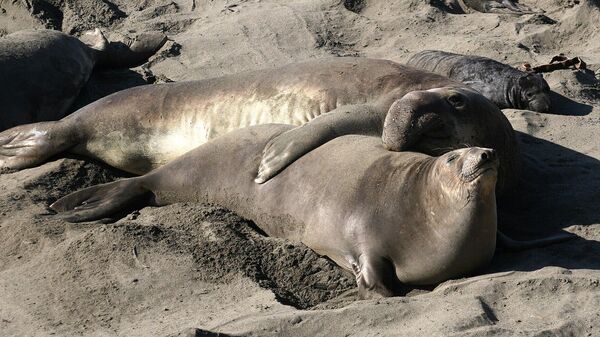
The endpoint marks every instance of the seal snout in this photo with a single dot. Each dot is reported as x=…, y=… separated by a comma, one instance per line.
x=488, y=155
x=479, y=161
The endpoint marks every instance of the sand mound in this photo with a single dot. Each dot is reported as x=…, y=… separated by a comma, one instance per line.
x=198, y=270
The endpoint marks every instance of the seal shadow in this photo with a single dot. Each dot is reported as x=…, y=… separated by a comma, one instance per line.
x=565, y=106
x=558, y=188
x=105, y=82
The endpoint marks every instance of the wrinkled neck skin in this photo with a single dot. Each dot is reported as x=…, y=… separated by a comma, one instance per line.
x=513, y=95
x=461, y=220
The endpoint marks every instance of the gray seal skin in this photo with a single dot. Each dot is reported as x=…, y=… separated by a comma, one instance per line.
x=504, y=85
x=43, y=71
x=142, y=128
x=500, y=7
x=391, y=218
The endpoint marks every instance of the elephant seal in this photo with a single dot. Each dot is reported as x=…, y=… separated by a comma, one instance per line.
x=430, y=121
x=500, y=7
x=504, y=85
x=42, y=71
x=142, y=128
x=392, y=218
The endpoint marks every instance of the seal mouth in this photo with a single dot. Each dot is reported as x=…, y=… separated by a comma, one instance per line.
x=435, y=139
x=479, y=164
x=437, y=131
x=479, y=170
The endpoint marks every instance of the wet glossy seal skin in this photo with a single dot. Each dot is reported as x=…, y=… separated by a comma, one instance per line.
x=43, y=71
x=142, y=128
x=392, y=218
x=502, y=84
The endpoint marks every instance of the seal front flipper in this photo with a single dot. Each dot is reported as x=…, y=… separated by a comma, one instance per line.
x=286, y=148
x=376, y=277
x=101, y=201
x=28, y=145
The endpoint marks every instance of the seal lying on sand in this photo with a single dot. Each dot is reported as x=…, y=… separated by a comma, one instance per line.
x=42, y=71
x=431, y=121
x=390, y=217
x=142, y=128
x=500, y=7
x=504, y=85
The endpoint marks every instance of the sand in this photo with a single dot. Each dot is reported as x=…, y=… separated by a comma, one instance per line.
x=200, y=270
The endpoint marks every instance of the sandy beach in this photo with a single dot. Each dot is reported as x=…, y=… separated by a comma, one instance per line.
x=201, y=270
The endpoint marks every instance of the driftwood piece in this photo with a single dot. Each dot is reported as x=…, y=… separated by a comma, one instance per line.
x=558, y=62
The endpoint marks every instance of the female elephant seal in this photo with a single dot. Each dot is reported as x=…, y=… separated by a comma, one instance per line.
x=391, y=217
x=502, y=84
x=142, y=128
x=42, y=71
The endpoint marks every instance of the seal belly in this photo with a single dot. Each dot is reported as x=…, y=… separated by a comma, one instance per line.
x=173, y=124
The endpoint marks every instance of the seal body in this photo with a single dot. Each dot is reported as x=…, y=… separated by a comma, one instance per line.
x=142, y=128
x=43, y=71
x=41, y=74
x=390, y=217
x=504, y=85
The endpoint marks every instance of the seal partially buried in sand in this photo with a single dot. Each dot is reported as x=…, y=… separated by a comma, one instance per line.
x=389, y=217
x=502, y=84
x=142, y=128
x=43, y=71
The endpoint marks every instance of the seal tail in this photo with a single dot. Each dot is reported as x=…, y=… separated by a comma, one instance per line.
x=101, y=201
x=513, y=245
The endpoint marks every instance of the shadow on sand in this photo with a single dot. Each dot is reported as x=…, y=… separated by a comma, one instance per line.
x=568, y=107
x=558, y=188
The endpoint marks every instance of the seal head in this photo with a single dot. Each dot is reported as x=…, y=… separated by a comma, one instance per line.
x=437, y=120
x=533, y=93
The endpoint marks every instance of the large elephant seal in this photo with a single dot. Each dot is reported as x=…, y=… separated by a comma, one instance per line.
x=42, y=71
x=389, y=217
x=431, y=121
x=504, y=85
x=142, y=128
x=500, y=7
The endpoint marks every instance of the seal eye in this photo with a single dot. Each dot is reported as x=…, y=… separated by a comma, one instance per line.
x=529, y=95
x=451, y=158
x=456, y=100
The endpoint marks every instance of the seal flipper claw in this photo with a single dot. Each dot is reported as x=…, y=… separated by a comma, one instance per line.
x=283, y=150
x=100, y=201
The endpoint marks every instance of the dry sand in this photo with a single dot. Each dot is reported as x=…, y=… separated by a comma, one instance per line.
x=187, y=270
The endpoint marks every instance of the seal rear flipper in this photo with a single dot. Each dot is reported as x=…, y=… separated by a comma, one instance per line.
x=94, y=39
x=29, y=145
x=101, y=201
x=131, y=52
x=507, y=243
